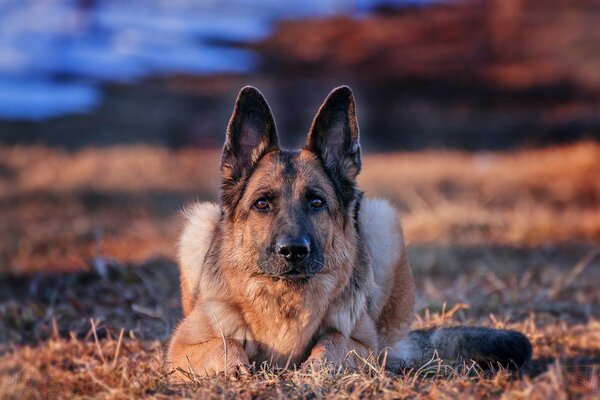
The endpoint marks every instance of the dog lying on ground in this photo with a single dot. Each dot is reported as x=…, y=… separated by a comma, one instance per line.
x=295, y=267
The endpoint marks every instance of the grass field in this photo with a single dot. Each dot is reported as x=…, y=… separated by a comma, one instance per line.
x=89, y=291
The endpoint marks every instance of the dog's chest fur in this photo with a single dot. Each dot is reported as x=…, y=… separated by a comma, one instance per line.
x=282, y=318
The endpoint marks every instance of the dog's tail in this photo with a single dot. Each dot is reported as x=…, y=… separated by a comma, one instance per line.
x=486, y=346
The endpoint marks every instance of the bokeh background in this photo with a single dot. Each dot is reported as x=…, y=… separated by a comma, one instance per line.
x=119, y=108
x=480, y=122
x=469, y=75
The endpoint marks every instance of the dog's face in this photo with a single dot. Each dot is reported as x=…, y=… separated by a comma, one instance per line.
x=286, y=209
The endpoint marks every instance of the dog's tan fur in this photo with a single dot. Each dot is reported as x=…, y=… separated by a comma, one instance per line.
x=241, y=306
x=287, y=320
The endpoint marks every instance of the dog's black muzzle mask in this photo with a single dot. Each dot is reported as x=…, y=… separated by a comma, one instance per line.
x=291, y=257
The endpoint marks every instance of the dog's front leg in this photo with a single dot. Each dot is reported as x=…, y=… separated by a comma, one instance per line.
x=208, y=358
x=200, y=347
x=334, y=348
x=331, y=348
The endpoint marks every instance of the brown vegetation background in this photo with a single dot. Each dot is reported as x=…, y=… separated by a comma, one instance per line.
x=480, y=121
x=497, y=239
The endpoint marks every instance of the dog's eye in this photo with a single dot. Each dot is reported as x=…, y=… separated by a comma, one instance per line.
x=261, y=204
x=316, y=202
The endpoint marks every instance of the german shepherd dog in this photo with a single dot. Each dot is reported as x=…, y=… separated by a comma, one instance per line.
x=295, y=267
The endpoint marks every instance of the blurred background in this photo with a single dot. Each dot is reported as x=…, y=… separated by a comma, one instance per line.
x=472, y=75
x=112, y=114
x=480, y=122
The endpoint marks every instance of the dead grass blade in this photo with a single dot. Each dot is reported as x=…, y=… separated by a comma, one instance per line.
x=116, y=357
x=564, y=281
x=98, y=347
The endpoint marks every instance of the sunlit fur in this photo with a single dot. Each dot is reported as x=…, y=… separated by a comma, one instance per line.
x=273, y=319
x=353, y=293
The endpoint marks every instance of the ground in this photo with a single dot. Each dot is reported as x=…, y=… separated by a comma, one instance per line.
x=89, y=291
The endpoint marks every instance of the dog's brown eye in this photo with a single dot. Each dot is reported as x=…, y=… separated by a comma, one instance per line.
x=261, y=204
x=316, y=202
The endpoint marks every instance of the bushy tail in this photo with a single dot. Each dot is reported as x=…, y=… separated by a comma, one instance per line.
x=486, y=346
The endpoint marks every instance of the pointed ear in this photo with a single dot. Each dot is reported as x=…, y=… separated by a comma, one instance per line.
x=250, y=135
x=334, y=135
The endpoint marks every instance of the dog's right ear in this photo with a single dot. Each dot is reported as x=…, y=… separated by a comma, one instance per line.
x=334, y=135
x=250, y=135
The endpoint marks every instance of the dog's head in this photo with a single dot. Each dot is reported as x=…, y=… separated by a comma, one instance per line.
x=290, y=213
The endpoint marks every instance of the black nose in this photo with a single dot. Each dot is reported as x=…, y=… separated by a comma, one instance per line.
x=293, y=249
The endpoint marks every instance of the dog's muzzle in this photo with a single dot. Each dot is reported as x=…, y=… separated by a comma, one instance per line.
x=291, y=257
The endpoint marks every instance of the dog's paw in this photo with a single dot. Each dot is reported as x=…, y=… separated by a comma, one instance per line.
x=317, y=364
x=207, y=359
x=235, y=370
x=240, y=371
x=319, y=360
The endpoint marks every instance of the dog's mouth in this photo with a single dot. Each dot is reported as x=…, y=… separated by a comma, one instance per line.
x=299, y=271
x=292, y=275
x=295, y=274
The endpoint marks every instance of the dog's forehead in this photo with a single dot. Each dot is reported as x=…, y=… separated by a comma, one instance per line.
x=291, y=169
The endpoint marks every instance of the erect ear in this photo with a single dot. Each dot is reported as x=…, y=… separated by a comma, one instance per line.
x=251, y=134
x=334, y=135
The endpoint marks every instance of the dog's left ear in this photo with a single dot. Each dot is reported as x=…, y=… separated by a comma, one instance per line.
x=334, y=135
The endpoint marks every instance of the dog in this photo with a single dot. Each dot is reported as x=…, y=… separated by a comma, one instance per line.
x=296, y=268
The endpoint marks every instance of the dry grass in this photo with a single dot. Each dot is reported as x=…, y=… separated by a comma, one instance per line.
x=58, y=206
x=497, y=239
x=69, y=368
x=523, y=198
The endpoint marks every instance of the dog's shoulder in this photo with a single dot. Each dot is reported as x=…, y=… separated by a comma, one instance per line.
x=381, y=231
x=201, y=221
x=391, y=300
